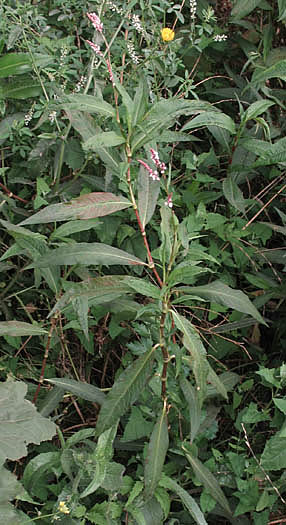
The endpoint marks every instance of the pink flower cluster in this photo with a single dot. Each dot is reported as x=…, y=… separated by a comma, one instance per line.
x=153, y=173
x=95, y=48
x=95, y=20
x=169, y=201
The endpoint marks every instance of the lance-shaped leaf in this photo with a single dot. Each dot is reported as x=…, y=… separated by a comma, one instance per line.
x=214, y=379
x=100, y=289
x=21, y=424
x=220, y=293
x=185, y=497
x=89, y=206
x=19, y=63
x=89, y=104
x=105, y=138
x=208, y=480
x=233, y=194
x=148, y=192
x=156, y=454
x=125, y=391
x=79, y=388
x=193, y=343
x=80, y=306
x=192, y=399
x=18, y=328
x=211, y=118
x=102, y=455
x=86, y=253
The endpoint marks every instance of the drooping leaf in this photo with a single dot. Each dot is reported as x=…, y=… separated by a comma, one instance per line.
x=194, y=406
x=148, y=192
x=216, y=382
x=19, y=63
x=221, y=293
x=88, y=103
x=86, y=254
x=208, y=480
x=102, y=455
x=156, y=454
x=211, y=118
x=256, y=108
x=186, y=498
x=143, y=287
x=88, y=206
x=125, y=391
x=233, y=194
x=105, y=138
x=79, y=388
x=18, y=328
x=21, y=424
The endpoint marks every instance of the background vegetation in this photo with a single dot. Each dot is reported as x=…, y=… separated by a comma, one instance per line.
x=142, y=290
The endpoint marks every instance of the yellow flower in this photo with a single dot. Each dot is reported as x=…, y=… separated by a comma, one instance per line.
x=63, y=508
x=167, y=34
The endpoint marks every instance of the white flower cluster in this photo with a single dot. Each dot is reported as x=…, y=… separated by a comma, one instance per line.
x=28, y=117
x=220, y=38
x=113, y=7
x=193, y=9
x=131, y=51
x=80, y=84
x=64, y=53
x=52, y=116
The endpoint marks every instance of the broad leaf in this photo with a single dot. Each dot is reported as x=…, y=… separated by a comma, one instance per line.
x=148, y=192
x=80, y=389
x=185, y=497
x=243, y=8
x=21, y=424
x=86, y=253
x=89, y=104
x=18, y=328
x=156, y=454
x=19, y=63
x=86, y=206
x=274, y=455
x=208, y=480
x=220, y=293
x=125, y=391
x=233, y=194
x=106, y=138
x=211, y=118
x=277, y=70
x=21, y=89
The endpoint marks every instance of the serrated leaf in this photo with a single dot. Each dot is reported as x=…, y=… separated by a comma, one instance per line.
x=86, y=253
x=19, y=328
x=219, y=292
x=156, y=454
x=88, y=206
x=148, y=192
x=194, y=406
x=21, y=424
x=208, y=480
x=211, y=118
x=89, y=104
x=193, y=343
x=185, y=497
x=80, y=389
x=233, y=194
x=102, y=455
x=125, y=391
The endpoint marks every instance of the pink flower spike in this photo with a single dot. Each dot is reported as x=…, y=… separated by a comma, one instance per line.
x=95, y=48
x=95, y=20
x=153, y=174
x=155, y=158
x=169, y=202
x=111, y=78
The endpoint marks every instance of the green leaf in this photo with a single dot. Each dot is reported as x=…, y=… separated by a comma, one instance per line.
x=211, y=118
x=217, y=383
x=140, y=101
x=274, y=454
x=243, y=8
x=282, y=10
x=80, y=389
x=277, y=70
x=88, y=206
x=51, y=401
x=233, y=194
x=74, y=226
x=18, y=328
x=188, y=501
x=208, y=480
x=89, y=104
x=192, y=342
x=156, y=454
x=86, y=254
x=143, y=287
x=194, y=406
x=256, y=108
x=125, y=391
x=220, y=293
x=21, y=89
x=106, y=138
x=80, y=306
x=102, y=455
x=281, y=404
x=21, y=424
x=148, y=192
x=19, y=63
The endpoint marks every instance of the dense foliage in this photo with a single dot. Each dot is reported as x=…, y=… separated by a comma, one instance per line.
x=142, y=292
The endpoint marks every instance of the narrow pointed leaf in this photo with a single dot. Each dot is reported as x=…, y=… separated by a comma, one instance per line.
x=208, y=480
x=194, y=406
x=125, y=391
x=233, y=194
x=148, y=192
x=106, y=138
x=156, y=454
x=185, y=497
x=86, y=254
x=19, y=63
x=80, y=306
x=89, y=206
x=211, y=118
x=102, y=455
x=18, y=328
x=89, y=104
x=214, y=379
x=79, y=388
x=219, y=292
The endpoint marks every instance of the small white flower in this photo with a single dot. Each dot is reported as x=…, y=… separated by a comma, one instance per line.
x=52, y=116
x=220, y=38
